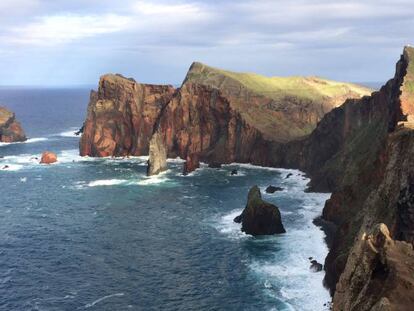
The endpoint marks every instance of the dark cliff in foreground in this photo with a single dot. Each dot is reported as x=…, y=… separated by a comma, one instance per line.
x=10, y=128
x=363, y=152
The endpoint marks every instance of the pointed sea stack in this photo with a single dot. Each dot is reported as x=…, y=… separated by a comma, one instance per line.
x=157, y=161
x=260, y=217
x=10, y=129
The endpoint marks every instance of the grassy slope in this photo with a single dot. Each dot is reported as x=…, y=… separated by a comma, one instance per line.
x=313, y=88
x=289, y=96
x=408, y=85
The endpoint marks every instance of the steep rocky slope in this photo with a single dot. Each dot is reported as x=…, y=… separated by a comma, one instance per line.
x=10, y=128
x=121, y=116
x=363, y=152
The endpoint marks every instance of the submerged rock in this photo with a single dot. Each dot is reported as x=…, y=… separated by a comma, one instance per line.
x=234, y=172
x=157, y=161
x=214, y=165
x=273, y=189
x=288, y=175
x=260, y=217
x=10, y=129
x=48, y=157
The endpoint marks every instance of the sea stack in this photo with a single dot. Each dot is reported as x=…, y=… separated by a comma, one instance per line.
x=260, y=217
x=157, y=161
x=10, y=129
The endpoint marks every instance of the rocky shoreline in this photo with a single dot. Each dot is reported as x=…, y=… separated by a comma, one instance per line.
x=360, y=151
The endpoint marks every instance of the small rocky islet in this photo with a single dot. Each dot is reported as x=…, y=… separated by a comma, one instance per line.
x=10, y=129
x=260, y=217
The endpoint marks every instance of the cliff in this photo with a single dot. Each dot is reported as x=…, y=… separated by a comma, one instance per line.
x=121, y=117
x=281, y=108
x=10, y=128
x=214, y=110
x=362, y=151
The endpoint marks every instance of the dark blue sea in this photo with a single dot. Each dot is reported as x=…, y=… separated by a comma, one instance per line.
x=97, y=234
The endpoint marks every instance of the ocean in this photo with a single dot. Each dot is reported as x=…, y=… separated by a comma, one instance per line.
x=97, y=234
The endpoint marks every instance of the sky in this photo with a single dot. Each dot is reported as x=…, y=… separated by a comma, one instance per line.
x=74, y=42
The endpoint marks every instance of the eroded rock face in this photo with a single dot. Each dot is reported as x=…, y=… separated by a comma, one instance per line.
x=260, y=217
x=10, y=128
x=379, y=274
x=48, y=157
x=121, y=117
x=363, y=152
x=157, y=161
x=200, y=124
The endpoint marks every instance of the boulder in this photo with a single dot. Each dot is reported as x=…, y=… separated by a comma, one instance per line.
x=260, y=217
x=48, y=157
x=273, y=189
x=316, y=266
x=288, y=175
x=157, y=161
x=234, y=172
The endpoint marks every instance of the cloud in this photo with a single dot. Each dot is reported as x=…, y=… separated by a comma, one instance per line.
x=58, y=29
x=268, y=36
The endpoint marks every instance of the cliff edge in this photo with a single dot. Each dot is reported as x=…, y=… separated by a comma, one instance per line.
x=10, y=128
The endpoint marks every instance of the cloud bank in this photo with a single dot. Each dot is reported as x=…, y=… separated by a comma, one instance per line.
x=74, y=42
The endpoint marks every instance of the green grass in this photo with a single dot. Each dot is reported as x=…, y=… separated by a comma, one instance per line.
x=312, y=88
x=286, y=98
x=408, y=87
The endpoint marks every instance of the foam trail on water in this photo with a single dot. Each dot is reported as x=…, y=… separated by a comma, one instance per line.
x=70, y=133
x=107, y=182
x=102, y=299
x=30, y=140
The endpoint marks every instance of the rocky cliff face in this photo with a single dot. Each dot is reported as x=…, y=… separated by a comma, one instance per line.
x=200, y=124
x=215, y=116
x=362, y=151
x=121, y=117
x=10, y=128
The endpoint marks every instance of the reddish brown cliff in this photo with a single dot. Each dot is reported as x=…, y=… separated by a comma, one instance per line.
x=10, y=128
x=363, y=153
x=200, y=123
x=121, y=117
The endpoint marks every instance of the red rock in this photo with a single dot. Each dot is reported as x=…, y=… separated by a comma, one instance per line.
x=121, y=117
x=48, y=158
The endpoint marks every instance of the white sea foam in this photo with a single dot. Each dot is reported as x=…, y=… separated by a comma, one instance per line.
x=107, y=182
x=28, y=141
x=70, y=133
x=152, y=180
